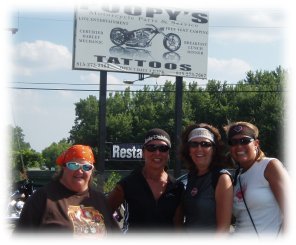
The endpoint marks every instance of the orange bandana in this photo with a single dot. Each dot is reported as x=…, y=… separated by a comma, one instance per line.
x=76, y=152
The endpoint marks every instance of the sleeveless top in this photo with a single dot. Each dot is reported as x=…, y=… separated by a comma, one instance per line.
x=143, y=212
x=260, y=200
x=199, y=201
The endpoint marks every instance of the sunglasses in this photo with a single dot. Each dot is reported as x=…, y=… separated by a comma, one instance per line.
x=203, y=144
x=241, y=141
x=75, y=166
x=153, y=148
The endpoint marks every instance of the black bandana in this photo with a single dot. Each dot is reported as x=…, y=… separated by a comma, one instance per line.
x=157, y=134
x=242, y=130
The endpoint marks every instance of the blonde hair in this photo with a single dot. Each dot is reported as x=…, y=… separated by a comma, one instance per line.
x=227, y=128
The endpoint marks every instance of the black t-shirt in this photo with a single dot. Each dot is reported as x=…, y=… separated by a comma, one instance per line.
x=146, y=214
x=54, y=208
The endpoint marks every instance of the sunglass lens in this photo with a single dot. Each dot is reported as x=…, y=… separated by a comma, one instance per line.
x=150, y=148
x=161, y=148
x=203, y=144
x=245, y=141
x=87, y=167
x=241, y=141
x=73, y=166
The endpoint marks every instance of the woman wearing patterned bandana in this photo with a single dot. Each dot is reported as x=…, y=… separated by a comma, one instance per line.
x=153, y=197
x=209, y=191
x=261, y=186
x=68, y=204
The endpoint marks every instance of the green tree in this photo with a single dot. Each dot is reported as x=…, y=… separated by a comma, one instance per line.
x=85, y=129
x=51, y=153
x=17, y=138
x=111, y=181
x=257, y=99
x=119, y=116
x=22, y=156
x=270, y=108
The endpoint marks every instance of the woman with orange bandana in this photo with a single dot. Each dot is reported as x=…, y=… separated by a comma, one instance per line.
x=68, y=204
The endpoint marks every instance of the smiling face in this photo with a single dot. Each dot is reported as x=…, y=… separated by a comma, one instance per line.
x=156, y=159
x=76, y=180
x=244, y=153
x=201, y=155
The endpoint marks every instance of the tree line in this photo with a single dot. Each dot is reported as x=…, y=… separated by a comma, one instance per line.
x=259, y=99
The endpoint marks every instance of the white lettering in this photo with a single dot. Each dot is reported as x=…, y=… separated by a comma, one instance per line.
x=115, y=151
x=129, y=153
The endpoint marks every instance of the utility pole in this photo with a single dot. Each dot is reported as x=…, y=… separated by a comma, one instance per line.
x=178, y=123
x=100, y=164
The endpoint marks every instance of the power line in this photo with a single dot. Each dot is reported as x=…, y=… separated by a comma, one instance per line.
x=142, y=91
x=58, y=83
x=113, y=84
x=81, y=84
x=55, y=89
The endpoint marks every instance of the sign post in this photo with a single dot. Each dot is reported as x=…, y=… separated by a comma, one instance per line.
x=178, y=122
x=100, y=165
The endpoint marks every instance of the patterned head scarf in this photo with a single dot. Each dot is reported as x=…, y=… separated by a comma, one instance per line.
x=83, y=152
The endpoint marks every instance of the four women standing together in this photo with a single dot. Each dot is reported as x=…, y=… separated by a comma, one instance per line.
x=156, y=202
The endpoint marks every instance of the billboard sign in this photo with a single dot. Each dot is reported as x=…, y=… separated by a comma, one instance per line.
x=133, y=39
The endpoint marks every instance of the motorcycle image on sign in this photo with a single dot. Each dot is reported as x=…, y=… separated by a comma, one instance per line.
x=142, y=37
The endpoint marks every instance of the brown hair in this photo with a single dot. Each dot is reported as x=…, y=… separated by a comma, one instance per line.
x=218, y=159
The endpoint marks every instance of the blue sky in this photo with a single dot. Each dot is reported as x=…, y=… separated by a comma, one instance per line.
x=241, y=38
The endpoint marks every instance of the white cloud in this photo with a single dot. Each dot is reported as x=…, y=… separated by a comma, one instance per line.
x=91, y=78
x=240, y=35
x=231, y=70
x=40, y=56
x=270, y=18
x=113, y=82
x=250, y=26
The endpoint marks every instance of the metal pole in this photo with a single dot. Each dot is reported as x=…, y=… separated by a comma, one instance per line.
x=102, y=129
x=178, y=123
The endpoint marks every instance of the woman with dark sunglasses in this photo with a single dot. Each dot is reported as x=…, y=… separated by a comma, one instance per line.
x=68, y=204
x=209, y=192
x=152, y=196
x=261, y=188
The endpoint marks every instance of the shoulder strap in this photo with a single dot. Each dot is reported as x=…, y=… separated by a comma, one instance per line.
x=241, y=189
x=216, y=173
